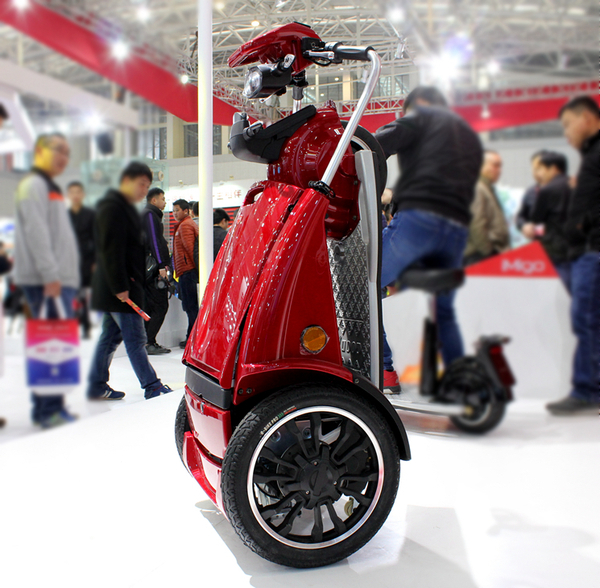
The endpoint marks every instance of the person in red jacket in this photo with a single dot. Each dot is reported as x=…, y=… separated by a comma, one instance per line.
x=186, y=233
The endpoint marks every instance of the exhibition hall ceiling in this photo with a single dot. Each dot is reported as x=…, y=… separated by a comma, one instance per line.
x=456, y=43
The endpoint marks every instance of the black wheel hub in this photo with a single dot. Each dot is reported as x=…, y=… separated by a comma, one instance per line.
x=318, y=478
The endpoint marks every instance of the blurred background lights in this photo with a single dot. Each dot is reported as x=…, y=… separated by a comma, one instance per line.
x=143, y=14
x=396, y=14
x=493, y=68
x=255, y=23
x=94, y=122
x=21, y=4
x=184, y=78
x=120, y=50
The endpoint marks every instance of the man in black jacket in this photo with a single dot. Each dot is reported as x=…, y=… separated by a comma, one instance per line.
x=220, y=223
x=157, y=293
x=550, y=210
x=440, y=157
x=83, y=219
x=528, y=201
x=581, y=123
x=120, y=277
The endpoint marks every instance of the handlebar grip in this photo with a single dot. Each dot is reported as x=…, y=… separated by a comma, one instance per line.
x=347, y=52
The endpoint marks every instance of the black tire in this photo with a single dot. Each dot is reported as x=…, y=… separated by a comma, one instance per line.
x=372, y=143
x=466, y=382
x=276, y=470
x=182, y=426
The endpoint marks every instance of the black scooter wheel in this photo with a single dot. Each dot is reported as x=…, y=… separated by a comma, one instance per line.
x=310, y=475
x=182, y=426
x=466, y=381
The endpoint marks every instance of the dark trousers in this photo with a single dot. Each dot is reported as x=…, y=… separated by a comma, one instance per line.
x=585, y=319
x=83, y=312
x=415, y=238
x=120, y=327
x=44, y=406
x=157, y=305
x=188, y=292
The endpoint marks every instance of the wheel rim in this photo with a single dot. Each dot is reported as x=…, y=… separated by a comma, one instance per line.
x=315, y=477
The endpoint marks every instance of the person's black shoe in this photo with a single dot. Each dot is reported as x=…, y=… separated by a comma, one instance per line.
x=572, y=406
x=182, y=344
x=107, y=394
x=154, y=349
x=2, y=422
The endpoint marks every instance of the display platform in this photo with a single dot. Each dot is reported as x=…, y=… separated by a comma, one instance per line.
x=106, y=502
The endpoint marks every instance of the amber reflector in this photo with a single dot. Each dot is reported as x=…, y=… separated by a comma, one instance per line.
x=313, y=339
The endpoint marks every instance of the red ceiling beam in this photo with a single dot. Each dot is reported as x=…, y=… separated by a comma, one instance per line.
x=135, y=73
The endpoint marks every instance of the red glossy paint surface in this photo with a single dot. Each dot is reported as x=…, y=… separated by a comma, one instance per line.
x=233, y=280
x=201, y=467
x=211, y=425
x=294, y=293
x=305, y=157
x=274, y=45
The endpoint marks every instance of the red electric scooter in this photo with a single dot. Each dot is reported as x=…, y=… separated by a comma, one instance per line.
x=283, y=423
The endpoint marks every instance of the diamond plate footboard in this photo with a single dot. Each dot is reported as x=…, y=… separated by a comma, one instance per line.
x=349, y=275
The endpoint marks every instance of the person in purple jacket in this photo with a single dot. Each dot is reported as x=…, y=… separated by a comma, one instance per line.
x=157, y=298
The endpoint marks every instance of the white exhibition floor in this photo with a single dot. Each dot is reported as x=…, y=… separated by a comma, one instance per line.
x=106, y=502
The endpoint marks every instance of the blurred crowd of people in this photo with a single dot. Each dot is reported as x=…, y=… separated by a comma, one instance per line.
x=110, y=259
x=445, y=213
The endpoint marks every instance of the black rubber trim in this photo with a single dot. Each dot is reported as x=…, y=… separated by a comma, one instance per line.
x=207, y=388
x=389, y=412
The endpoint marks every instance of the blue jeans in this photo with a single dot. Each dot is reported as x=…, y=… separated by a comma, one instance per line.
x=188, y=292
x=118, y=327
x=46, y=406
x=585, y=321
x=415, y=238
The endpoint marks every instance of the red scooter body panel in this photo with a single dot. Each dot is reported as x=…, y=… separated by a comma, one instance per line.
x=305, y=157
x=294, y=292
x=274, y=45
x=233, y=279
x=211, y=425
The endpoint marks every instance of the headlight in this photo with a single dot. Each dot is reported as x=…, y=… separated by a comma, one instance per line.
x=253, y=84
x=266, y=79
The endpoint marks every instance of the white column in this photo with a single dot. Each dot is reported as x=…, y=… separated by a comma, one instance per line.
x=205, y=142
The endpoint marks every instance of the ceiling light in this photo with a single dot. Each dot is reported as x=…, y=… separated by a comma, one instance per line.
x=220, y=5
x=184, y=78
x=493, y=68
x=120, y=50
x=143, y=13
x=94, y=122
x=255, y=23
x=336, y=79
x=322, y=94
x=445, y=67
x=21, y=4
x=396, y=14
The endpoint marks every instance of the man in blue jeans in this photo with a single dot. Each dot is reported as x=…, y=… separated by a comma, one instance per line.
x=46, y=257
x=580, y=119
x=119, y=277
x=440, y=157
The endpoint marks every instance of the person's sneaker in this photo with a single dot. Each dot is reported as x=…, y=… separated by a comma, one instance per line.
x=572, y=406
x=2, y=422
x=164, y=389
x=182, y=344
x=107, y=394
x=156, y=349
x=390, y=381
x=62, y=417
